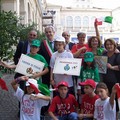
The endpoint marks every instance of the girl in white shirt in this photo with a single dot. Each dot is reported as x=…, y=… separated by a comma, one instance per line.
x=105, y=106
x=30, y=99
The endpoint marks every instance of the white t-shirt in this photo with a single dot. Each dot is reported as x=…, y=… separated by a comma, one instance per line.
x=104, y=111
x=29, y=109
x=59, y=77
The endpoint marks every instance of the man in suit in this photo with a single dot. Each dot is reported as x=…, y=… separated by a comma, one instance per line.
x=47, y=48
x=69, y=44
x=24, y=47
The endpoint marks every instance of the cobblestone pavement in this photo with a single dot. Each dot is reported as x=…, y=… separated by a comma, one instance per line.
x=8, y=103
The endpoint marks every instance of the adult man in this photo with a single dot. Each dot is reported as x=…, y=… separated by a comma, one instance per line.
x=24, y=47
x=69, y=44
x=47, y=49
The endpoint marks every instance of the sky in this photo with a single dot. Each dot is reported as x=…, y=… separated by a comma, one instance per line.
x=111, y=4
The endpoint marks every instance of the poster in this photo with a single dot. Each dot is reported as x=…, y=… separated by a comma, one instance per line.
x=69, y=66
x=101, y=62
x=27, y=65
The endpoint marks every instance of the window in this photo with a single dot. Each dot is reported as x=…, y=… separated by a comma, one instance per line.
x=92, y=21
x=77, y=21
x=69, y=21
x=85, y=21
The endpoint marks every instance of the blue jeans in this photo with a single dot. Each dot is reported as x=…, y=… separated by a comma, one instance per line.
x=71, y=116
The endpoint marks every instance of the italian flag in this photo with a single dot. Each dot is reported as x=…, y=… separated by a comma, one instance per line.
x=107, y=19
x=118, y=94
x=39, y=87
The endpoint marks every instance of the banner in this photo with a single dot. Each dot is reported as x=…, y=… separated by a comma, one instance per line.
x=69, y=66
x=101, y=62
x=27, y=65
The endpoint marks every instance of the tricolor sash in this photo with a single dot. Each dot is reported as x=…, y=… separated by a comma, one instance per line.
x=48, y=47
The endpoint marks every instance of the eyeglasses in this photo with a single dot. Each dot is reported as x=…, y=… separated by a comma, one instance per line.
x=34, y=35
x=66, y=35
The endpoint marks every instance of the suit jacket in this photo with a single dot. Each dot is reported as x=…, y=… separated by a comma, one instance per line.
x=70, y=45
x=21, y=48
x=43, y=51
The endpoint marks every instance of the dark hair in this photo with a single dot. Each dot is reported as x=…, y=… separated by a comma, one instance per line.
x=25, y=92
x=81, y=34
x=93, y=65
x=111, y=41
x=93, y=37
x=102, y=85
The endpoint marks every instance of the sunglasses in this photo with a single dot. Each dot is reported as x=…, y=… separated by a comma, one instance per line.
x=33, y=35
x=66, y=35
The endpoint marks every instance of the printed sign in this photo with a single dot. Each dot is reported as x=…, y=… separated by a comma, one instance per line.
x=27, y=65
x=101, y=62
x=69, y=66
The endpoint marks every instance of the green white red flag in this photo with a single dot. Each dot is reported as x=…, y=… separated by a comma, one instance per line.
x=107, y=19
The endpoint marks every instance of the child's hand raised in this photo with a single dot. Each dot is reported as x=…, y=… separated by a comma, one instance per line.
x=114, y=89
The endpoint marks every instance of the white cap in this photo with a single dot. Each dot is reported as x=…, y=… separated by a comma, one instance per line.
x=60, y=39
x=32, y=81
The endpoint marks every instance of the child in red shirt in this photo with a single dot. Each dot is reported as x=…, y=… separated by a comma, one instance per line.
x=63, y=105
x=88, y=100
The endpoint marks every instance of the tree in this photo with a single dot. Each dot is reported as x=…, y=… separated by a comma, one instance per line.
x=11, y=31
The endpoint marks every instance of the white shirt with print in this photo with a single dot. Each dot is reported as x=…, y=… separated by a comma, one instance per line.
x=104, y=110
x=59, y=77
x=29, y=109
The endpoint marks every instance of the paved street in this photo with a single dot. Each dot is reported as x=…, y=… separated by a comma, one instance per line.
x=8, y=103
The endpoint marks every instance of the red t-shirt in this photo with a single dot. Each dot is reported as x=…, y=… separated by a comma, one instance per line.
x=88, y=104
x=61, y=106
x=78, y=46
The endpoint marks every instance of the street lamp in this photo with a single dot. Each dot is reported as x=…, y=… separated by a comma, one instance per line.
x=52, y=12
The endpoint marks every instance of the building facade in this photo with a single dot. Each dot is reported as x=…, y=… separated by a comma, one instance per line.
x=81, y=19
x=28, y=10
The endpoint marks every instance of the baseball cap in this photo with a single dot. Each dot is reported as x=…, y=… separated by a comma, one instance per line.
x=33, y=84
x=62, y=83
x=88, y=57
x=90, y=82
x=36, y=43
x=60, y=39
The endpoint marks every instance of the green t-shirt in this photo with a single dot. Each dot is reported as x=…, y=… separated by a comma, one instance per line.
x=40, y=58
x=89, y=73
x=100, y=51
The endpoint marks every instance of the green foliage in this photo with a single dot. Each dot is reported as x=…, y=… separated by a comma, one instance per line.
x=25, y=30
x=11, y=31
x=8, y=32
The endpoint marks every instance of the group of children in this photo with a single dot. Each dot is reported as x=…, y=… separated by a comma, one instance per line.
x=64, y=105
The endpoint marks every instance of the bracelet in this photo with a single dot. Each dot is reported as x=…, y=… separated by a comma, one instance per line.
x=17, y=80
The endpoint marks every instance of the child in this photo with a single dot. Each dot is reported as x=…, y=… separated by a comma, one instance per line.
x=63, y=105
x=31, y=103
x=88, y=100
x=60, y=53
x=105, y=107
x=34, y=48
x=89, y=69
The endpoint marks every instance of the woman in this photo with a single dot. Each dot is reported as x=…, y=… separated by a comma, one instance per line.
x=95, y=43
x=113, y=66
